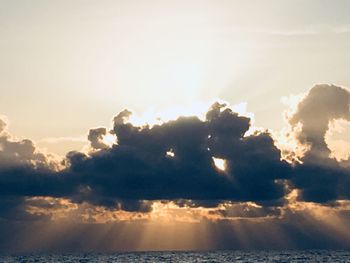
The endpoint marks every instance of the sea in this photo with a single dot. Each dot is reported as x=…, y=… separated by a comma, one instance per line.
x=176, y=256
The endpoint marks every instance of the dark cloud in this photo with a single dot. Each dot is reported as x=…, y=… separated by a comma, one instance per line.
x=26, y=172
x=322, y=182
x=95, y=137
x=138, y=168
x=13, y=208
x=197, y=203
x=322, y=105
x=247, y=210
x=320, y=177
x=2, y=125
x=135, y=206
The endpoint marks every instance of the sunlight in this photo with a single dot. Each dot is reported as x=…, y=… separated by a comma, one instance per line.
x=170, y=153
x=109, y=139
x=241, y=109
x=338, y=139
x=154, y=116
x=220, y=163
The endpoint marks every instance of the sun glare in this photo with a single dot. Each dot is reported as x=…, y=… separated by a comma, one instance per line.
x=109, y=139
x=170, y=153
x=154, y=116
x=220, y=163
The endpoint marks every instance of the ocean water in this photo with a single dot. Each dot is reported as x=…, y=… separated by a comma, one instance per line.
x=215, y=256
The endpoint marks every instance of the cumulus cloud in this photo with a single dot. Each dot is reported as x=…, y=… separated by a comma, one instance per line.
x=14, y=153
x=24, y=171
x=321, y=178
x=172, y=166
x=3, y=125
x=137, y=169
x=96, y=138
x=322, y=105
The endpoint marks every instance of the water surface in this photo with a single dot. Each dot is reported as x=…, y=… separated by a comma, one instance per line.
x=215, y=256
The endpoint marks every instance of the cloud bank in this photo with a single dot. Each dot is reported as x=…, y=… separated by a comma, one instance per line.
x=174, y=162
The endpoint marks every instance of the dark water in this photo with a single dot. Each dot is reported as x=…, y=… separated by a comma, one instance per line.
x=218, y=256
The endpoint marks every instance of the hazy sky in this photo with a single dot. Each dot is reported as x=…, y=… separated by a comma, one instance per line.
x=67, y=66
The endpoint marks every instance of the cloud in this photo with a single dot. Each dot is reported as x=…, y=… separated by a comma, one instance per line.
x=247, y=210
x=14, y=153
x=137, y=169
x=320, y=177
x=25, y=172
x=322, y=105
x=3, y=125
x=168, y=171
x=96, y=136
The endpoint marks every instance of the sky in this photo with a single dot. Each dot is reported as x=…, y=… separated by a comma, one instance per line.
x=92, y=142
x=74, y=64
